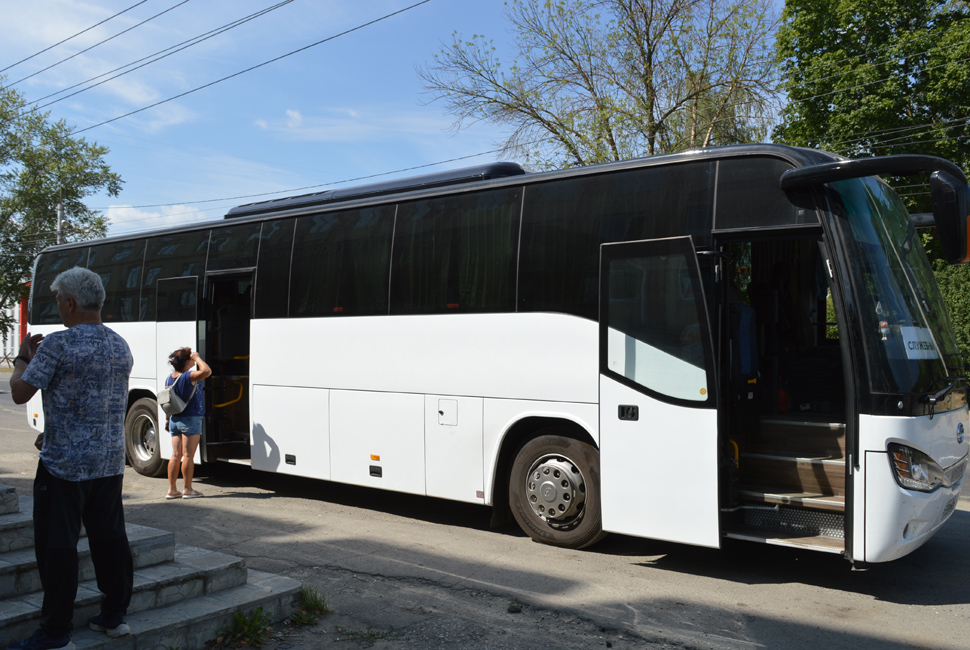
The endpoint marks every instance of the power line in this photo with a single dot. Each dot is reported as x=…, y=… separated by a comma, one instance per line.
x=88, y=49
x=73, y=36
x=910, y=132
x=250, y=69
x=863, y=135
x=869, y=52
x=908, y=73
x=158, y=56
x=853, y=71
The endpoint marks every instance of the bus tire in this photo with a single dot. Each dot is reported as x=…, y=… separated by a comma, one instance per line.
x=142, y=439
x=554, y=491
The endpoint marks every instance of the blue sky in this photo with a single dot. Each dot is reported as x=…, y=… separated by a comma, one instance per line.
x=349, y=108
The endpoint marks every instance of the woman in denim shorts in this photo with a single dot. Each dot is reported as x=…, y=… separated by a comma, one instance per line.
x=186, y=427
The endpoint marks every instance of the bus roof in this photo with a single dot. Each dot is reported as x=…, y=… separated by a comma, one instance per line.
x=457, y=178
x=426, y=181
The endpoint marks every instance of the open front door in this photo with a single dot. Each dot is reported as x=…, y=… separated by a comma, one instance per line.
x=658, y=408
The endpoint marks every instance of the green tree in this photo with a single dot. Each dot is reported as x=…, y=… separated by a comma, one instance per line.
x=42, y=164
x=875, y=78
x=868, y=78
x=604, y=80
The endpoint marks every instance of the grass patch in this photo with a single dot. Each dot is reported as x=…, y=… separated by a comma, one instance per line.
x=368, y=637
x=247, y=629
x=313, y=605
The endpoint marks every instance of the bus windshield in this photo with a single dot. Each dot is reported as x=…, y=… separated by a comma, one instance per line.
x=907, y=334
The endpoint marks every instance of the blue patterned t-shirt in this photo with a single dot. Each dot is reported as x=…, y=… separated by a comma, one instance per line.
x=83, y=373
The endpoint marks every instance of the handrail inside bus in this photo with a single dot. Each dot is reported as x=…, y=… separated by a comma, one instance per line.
x=901, y=165
x=232, y=401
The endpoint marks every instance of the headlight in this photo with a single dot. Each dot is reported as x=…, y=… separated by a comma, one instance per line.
x=913, y=469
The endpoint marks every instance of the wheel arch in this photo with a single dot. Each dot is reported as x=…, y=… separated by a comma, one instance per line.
x=515, y=437
x=137, y=394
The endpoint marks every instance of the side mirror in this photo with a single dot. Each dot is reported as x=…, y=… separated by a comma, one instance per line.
x=951, y=212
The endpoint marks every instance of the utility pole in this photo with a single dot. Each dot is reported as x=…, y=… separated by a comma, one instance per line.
x=60, y=219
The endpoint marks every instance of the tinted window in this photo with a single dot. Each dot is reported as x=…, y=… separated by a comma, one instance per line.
x=233, y=247
x=456, y=253
x=177, y=299
x=565, y=222
x=340, y=263
x=273, y=269
x=119, y=265
x=171, y=256
x=43, y=306
x=749, y=196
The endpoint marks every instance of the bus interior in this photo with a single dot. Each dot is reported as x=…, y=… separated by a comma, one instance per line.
x=785, y=452
x=228, y=309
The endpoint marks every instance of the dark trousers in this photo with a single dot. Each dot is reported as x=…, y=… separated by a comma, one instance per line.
x=59, y=509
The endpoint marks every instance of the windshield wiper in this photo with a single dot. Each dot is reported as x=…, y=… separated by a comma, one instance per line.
x=942, y=394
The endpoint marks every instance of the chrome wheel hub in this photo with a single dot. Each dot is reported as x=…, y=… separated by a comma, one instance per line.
x=144, y=437
x=556, y=490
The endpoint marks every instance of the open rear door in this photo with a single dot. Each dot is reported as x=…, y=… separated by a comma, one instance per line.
x=658, y=408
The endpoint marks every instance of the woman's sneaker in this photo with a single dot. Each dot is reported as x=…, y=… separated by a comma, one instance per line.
x=114, y=626
x=41, y=640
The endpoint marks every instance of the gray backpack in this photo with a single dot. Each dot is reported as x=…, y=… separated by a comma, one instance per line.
x=170, y=401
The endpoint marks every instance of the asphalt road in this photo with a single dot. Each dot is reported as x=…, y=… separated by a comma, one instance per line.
x=409, y=572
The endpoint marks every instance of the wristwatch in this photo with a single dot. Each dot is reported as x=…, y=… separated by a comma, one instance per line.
x=21, y=357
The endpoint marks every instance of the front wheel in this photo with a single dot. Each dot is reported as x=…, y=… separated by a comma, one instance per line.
x=142, y=439
x=554, y=492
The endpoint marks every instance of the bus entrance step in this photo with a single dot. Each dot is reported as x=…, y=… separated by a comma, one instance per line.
x=801, y=436
x=793, y=473
x=795, y=540
x=809, y=500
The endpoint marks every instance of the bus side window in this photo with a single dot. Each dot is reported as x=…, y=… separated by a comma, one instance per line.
x=171, y=256
x=43, y=308
x=273, y=269
x=120, y=268
x=456, y=254
x=340, y=263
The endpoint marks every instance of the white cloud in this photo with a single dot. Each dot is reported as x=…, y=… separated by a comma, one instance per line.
x=293, y=119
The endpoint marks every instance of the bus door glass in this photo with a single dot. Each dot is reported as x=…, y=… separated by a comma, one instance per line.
x=176, y=318
x=658, y=415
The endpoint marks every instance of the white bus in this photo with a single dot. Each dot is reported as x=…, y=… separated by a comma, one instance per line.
x=743, y=342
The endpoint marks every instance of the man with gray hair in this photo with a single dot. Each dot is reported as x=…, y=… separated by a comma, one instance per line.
x=83, y=375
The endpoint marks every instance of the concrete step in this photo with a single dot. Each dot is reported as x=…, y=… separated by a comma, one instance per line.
x=9, y=501
x=18, y=569
x=16, y=531
x=183, y=596
x=194, y=572
x=190, y=623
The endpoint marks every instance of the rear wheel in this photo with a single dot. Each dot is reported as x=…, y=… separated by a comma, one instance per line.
x=142, y=438
x=554, y=491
